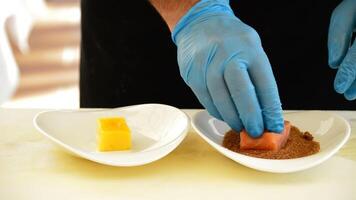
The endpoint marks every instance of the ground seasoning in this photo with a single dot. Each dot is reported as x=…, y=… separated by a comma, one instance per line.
x=298, y=145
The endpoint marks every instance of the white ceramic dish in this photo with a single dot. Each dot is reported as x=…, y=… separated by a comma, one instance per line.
x=156, y=130
x=331, y=130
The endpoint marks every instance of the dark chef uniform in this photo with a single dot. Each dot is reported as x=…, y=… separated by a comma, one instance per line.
x=128, y=57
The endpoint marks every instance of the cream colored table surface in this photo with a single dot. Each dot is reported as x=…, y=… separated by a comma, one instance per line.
x=31, y=167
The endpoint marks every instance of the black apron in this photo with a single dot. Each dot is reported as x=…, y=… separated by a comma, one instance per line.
x=127, y=56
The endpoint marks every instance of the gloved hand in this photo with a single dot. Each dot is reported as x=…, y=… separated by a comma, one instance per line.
x=223, y=62
x=341, y=55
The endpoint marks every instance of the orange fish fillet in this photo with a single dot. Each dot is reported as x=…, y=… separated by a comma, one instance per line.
x=268, y=140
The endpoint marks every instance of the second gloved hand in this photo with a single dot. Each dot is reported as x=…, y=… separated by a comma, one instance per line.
x=342, y=56
x=223, y=62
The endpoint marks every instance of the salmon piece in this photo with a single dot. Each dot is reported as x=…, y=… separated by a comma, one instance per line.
x=268, y=140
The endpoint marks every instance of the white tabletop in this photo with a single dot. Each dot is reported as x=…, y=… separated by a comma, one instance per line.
x=31, y=167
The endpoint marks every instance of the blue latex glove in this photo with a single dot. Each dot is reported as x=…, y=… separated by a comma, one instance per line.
x=223, y=62
x=341, y=55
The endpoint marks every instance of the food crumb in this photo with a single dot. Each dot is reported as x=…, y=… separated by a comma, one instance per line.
x=308, y=136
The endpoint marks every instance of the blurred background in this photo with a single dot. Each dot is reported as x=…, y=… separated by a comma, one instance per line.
x=39, y=53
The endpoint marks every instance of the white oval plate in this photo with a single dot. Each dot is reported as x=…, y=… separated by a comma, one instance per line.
x=156, y=130
x=330, y=130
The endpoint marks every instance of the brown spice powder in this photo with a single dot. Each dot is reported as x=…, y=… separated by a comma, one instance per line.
x=298, y=145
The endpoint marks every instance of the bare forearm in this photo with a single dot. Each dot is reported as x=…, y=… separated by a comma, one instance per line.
x=172, y=10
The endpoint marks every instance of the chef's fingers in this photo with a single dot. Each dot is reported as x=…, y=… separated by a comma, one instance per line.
x=350, y=93
x=197, y=82
x=342, y=24
x=244, y=96
x=267, y=92
x=346, y=73
x=221, y=95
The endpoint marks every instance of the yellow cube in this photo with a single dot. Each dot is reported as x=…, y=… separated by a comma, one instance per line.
x=113, y=134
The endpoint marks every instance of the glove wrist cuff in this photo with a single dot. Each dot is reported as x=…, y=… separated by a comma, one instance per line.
x=198, y=12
